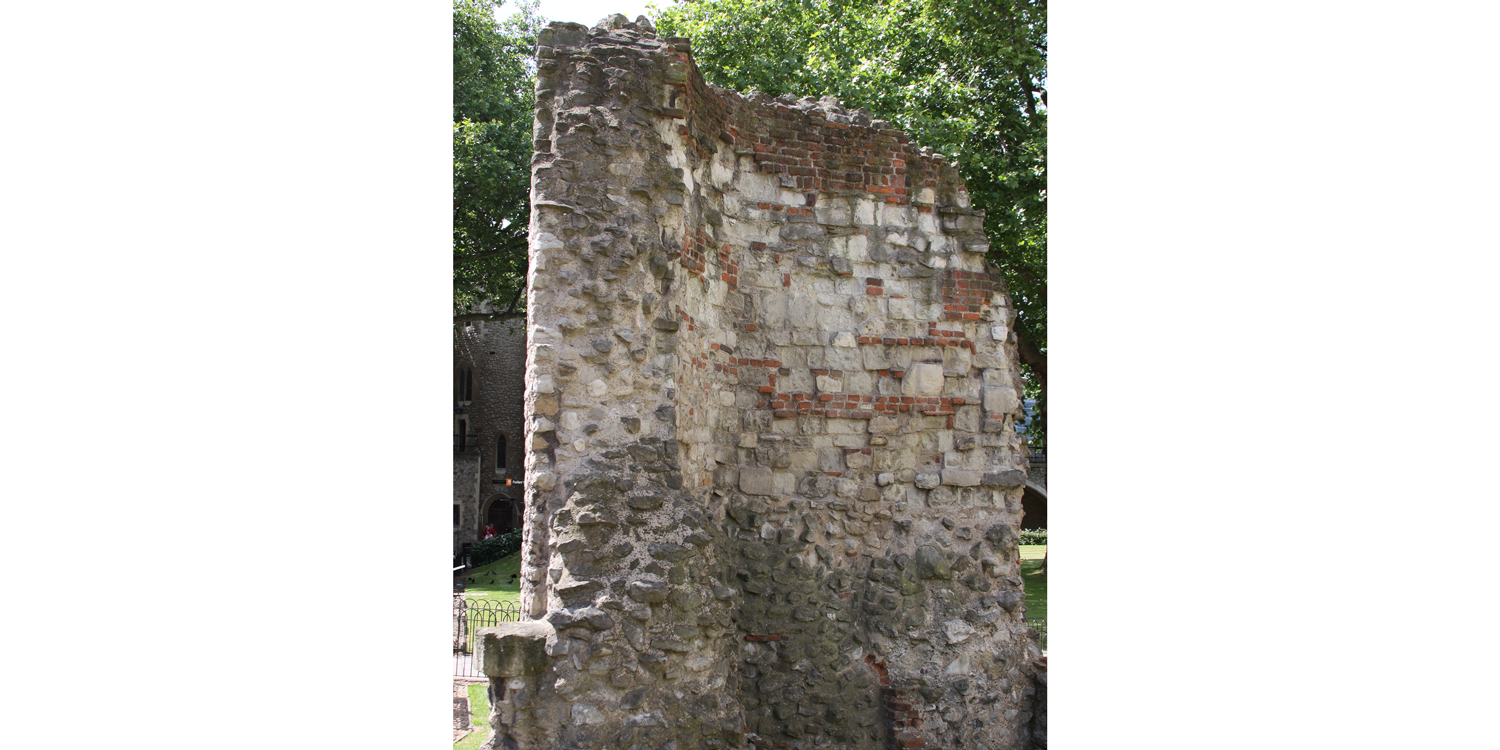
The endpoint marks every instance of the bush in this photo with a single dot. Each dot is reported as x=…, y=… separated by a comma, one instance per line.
x=490, y=550
x=1033, y=536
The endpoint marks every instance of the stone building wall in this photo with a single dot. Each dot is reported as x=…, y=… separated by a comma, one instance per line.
x=465, y=495
x=773, y=480
x=497, y=353
x=1037, y=474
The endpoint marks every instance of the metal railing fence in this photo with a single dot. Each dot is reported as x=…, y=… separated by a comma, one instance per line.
x=469, y=615
x=1040, y=626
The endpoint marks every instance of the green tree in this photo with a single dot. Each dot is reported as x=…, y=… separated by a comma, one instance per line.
x=965, y=77
x=494, y=91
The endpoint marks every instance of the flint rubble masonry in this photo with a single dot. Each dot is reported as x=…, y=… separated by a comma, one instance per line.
x=771, y=459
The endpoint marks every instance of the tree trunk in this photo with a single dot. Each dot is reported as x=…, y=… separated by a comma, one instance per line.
x=1037, y=361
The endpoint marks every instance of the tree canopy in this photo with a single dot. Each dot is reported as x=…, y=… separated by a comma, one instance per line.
x=494, y=82
x=965, y=77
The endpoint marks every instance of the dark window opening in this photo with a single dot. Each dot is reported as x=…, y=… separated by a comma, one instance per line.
x=455, y=515
x=463, y=385
x=500, y=453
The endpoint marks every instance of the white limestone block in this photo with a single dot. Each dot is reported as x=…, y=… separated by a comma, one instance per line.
x=1000, y=400
x=902, y=309
x=923, y=379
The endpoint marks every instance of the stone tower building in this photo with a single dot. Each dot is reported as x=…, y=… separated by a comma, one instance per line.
x=773, y=482
x=489, y=361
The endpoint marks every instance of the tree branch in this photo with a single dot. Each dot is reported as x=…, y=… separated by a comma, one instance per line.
x=508, y=313
x=488, y=316
x=509, y=247
x=1032, y=357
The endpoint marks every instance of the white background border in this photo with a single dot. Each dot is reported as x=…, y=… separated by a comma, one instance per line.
x=225, y=284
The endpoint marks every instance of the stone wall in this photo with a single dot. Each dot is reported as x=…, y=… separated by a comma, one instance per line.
x=465, y=495
x=773, y=480
x=497, y=353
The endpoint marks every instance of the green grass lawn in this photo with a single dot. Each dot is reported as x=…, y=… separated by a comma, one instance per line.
x=479, y=719
x=493, y=581
x=1036, y=581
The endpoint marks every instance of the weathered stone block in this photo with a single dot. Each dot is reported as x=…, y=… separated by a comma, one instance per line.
x=669, y=551
x=932, y=564
x=923, y=379
x=961, y=478
x=801, y=231
x=802, y=311
x=831, y=459
x=956, y=361
x=592, y=618
x=513, y=649
x=543, y=480
x=1000, y=400
x=875, y=357
x=755, y=480
x=1008, y=478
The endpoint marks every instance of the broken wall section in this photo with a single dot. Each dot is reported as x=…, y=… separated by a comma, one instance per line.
x=773, y=480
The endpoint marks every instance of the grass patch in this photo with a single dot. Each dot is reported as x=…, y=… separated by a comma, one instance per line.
x=479, y=719
x=493, y=581
x=1035, y=579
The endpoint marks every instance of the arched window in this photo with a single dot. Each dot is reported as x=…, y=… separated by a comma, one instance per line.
x=463, y=385
x=500, y=453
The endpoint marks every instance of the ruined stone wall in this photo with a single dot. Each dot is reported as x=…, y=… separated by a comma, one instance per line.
x=773, y=479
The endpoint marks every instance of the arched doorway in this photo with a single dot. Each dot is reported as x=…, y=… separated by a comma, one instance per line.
x=504, y=513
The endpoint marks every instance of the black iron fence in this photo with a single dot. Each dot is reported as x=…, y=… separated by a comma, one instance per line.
x=469, y=615
x=1040, y=626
